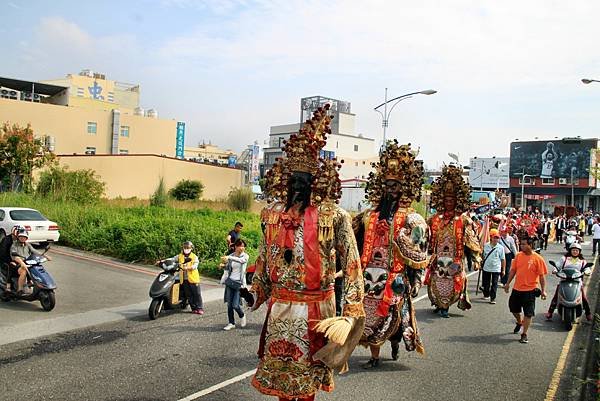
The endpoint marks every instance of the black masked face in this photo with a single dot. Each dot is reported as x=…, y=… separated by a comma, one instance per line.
x=389, y=203
x=299, y=189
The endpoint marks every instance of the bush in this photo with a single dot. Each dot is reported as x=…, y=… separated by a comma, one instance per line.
x=187, y=190
x=159, y=197
x=240, y=199
x=143, y=234
x=80, y=186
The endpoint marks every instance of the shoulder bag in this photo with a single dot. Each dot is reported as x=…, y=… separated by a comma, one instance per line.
x=234, y=285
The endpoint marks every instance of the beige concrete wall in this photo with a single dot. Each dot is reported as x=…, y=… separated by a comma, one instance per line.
x=138, y=175
x=68, y=125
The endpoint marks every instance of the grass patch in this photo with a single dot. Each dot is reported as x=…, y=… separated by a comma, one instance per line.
x=135, y=232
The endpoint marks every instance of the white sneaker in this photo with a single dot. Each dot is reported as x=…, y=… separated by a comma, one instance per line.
x=486, y=298
x=243, y=321
x=229, y=327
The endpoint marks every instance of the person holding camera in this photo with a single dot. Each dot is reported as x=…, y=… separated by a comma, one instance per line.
x=235, y=264
x=529, y=272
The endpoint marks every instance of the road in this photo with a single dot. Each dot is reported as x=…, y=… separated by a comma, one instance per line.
x=473, y=355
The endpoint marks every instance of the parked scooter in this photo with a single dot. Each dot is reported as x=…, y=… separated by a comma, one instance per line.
x=38, y=279
x=570, y=301
x=165, y=290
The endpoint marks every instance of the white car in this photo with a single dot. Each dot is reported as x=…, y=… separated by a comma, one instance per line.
x=39, y=227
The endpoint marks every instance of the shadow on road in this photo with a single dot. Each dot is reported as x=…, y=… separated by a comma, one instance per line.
x=492, y=339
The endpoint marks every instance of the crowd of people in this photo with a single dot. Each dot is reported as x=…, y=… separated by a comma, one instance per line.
x=378, y=262
x=331, y=281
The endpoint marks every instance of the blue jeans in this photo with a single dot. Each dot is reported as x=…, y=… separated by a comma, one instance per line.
x=233, y=303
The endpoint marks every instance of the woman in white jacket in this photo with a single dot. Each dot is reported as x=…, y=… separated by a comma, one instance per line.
x=236, y=264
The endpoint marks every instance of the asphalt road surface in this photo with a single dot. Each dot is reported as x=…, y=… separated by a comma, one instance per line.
x=124, y=356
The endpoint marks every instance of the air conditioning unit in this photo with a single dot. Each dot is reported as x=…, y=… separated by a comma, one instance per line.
x=562, y=181
x=8, y=94
x=27, y=96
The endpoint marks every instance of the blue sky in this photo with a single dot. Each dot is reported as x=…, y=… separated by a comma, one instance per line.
x=230, y=69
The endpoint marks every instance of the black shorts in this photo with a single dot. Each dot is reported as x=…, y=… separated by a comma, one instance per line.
x=522, y=301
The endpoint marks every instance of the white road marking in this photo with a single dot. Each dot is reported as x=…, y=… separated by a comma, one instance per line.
x=218, y=386
x=243, y=376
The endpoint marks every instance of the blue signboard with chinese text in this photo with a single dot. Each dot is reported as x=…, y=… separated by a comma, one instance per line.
x=180, y=140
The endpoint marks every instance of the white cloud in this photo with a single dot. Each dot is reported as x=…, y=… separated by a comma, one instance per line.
x=501, y=68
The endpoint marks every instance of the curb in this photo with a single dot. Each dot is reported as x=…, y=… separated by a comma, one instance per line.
x=590, y=374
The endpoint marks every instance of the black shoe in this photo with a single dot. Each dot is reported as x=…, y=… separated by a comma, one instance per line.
x=372, y=363
x=517, y=328
x=523, y=339
x=395, y=349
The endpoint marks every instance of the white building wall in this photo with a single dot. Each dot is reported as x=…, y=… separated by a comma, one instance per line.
x=346, y=124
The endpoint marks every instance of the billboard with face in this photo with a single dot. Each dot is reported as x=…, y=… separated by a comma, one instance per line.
x=552, y=159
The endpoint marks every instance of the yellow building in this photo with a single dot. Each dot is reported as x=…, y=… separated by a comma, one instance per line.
x=87, y=114
x=208, y=153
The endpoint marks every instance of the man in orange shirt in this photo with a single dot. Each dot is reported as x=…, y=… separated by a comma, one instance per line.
x=528, y=270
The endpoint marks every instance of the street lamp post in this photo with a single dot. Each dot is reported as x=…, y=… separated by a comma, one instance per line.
x=572, y=187
x=523, y=176
x=386, y=113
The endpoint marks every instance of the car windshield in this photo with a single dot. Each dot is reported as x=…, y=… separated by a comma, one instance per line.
x=26, y=215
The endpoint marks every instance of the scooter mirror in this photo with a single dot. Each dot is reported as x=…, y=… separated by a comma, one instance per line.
x=589, y=264
x=553, y=263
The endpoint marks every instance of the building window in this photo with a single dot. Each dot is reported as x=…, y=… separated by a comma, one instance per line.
x=80, y=92
x=280, y=141
x=110, y=96
x=337, y=144
x=364, y=162
x=356, y=148
x=125, y=131
x=547, y=181
x=92, y=128
x=123, y=152
x=90, y=150
x=525, y=181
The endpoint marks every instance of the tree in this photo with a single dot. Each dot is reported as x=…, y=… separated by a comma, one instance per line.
x=187, y=190
x=20, y=154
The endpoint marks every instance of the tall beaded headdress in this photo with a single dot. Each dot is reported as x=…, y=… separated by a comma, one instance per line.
x=302, y=154
x=396, y=162
x=450, y=183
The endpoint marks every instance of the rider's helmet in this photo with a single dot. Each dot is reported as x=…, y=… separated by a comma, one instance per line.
x=575, y=245
x=17, y=228
x=187, y=246
x=21, y=232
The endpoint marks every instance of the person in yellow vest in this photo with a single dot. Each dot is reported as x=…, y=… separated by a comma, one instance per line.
x=189, y=276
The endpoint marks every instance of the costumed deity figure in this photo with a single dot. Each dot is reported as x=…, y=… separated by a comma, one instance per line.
x=393, y=239
x=304, y=233
x=451, y=231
